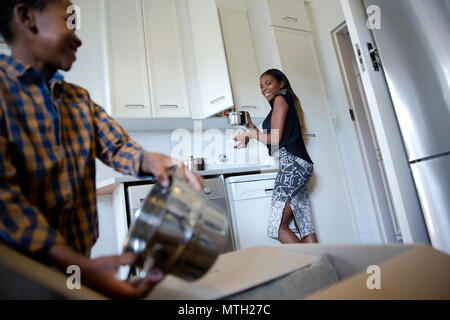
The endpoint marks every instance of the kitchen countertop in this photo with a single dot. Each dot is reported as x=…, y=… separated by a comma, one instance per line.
x=108, y=185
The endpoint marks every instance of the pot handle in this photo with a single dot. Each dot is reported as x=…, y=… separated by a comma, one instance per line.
x=149, y=263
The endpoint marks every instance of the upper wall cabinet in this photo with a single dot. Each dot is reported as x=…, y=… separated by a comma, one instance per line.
x=128, y=70
x=3, y=47
x=242, y=64
x=205, y=61
x=147, y=78
x=288, y=14
x=165, y=59
x=89, y=70
x=144, y=59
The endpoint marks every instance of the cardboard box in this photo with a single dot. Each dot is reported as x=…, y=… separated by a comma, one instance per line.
x=420, y=273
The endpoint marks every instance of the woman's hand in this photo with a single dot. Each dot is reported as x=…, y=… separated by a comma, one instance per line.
x=250, y=124
x=242, y=140
x=160, y=165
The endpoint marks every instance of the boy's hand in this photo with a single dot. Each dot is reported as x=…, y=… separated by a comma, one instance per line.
x=101, y=273
x=159, y=165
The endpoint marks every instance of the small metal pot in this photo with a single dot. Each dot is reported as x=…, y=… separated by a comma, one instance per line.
x=177, y=230
x=196, y=164
x=237, y=118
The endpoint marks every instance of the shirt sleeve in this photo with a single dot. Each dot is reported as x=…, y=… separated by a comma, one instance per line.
x=22, y=225
x=114, y=146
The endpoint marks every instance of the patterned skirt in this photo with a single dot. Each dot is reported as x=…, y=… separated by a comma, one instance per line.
x=293, y=175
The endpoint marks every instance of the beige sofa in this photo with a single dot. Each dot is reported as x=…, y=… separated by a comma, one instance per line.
x=339, y=265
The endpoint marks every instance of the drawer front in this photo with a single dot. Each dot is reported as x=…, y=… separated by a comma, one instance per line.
x=252, y=189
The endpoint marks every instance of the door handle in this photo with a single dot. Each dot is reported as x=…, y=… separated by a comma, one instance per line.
x=290, y=19
x=169, y=106
x=135, y=106
x=374, y=56
x=217, y=100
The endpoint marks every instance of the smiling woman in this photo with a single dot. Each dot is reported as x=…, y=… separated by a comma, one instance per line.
x=284, y=127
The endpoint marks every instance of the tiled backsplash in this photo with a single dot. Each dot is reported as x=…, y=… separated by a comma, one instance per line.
x=210, y=144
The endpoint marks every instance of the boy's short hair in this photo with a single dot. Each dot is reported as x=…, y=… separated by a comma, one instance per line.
x=6, y=14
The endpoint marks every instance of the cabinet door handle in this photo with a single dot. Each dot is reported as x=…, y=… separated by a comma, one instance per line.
x=248, y=107
x=217, y=100
x=290, y=19
x=311, y=135
x=134, y=106
x=169, y=106
x=268, y=190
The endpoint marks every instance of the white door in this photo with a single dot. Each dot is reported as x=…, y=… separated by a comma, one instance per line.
x=210, y=59
x=242, y=64
x=165, y=60
x=4, y=48
x=401, y=184
x=380, y=199
x=129, y=89
x=252, y=216
x=90, y=70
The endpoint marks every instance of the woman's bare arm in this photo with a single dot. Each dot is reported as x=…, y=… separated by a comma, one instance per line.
x=280, y=109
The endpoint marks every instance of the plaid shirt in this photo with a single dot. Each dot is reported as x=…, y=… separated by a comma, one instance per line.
x=49, y=140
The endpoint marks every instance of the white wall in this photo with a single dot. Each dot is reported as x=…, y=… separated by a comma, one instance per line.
x=325, y=16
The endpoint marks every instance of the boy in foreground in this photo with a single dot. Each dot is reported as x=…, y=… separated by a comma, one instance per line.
x=51, y=132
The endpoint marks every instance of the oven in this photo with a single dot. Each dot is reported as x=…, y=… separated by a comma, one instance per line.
x=213, y=189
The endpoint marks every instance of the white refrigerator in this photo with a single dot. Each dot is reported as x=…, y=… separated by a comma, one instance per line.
x=413, y=44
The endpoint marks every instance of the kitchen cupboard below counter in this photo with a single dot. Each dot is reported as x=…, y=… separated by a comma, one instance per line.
x=113, y=201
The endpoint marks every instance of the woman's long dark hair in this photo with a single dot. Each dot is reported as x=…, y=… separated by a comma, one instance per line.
x=280, y=76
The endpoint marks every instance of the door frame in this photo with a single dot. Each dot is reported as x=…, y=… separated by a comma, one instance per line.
x=367, y=145
x=400, y=180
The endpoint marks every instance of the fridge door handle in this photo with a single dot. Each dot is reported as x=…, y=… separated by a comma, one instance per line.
x=374, y=56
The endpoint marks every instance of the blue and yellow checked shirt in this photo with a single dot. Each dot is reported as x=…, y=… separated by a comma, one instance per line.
x=49, y=139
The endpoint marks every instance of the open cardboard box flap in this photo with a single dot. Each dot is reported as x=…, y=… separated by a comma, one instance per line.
x=234, y=272
x=419, y=273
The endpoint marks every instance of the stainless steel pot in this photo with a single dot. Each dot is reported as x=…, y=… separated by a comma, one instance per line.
x=237, y=118
x=196, y=164
x=178, y=230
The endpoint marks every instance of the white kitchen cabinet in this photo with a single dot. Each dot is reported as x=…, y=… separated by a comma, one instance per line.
x=288, y=14
x=89, y=70
x=205, y=60
x=128, y=70
x=250, y=201
x=146, y=64
x=165, y=59
x=242, y=64
x=4, y=48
